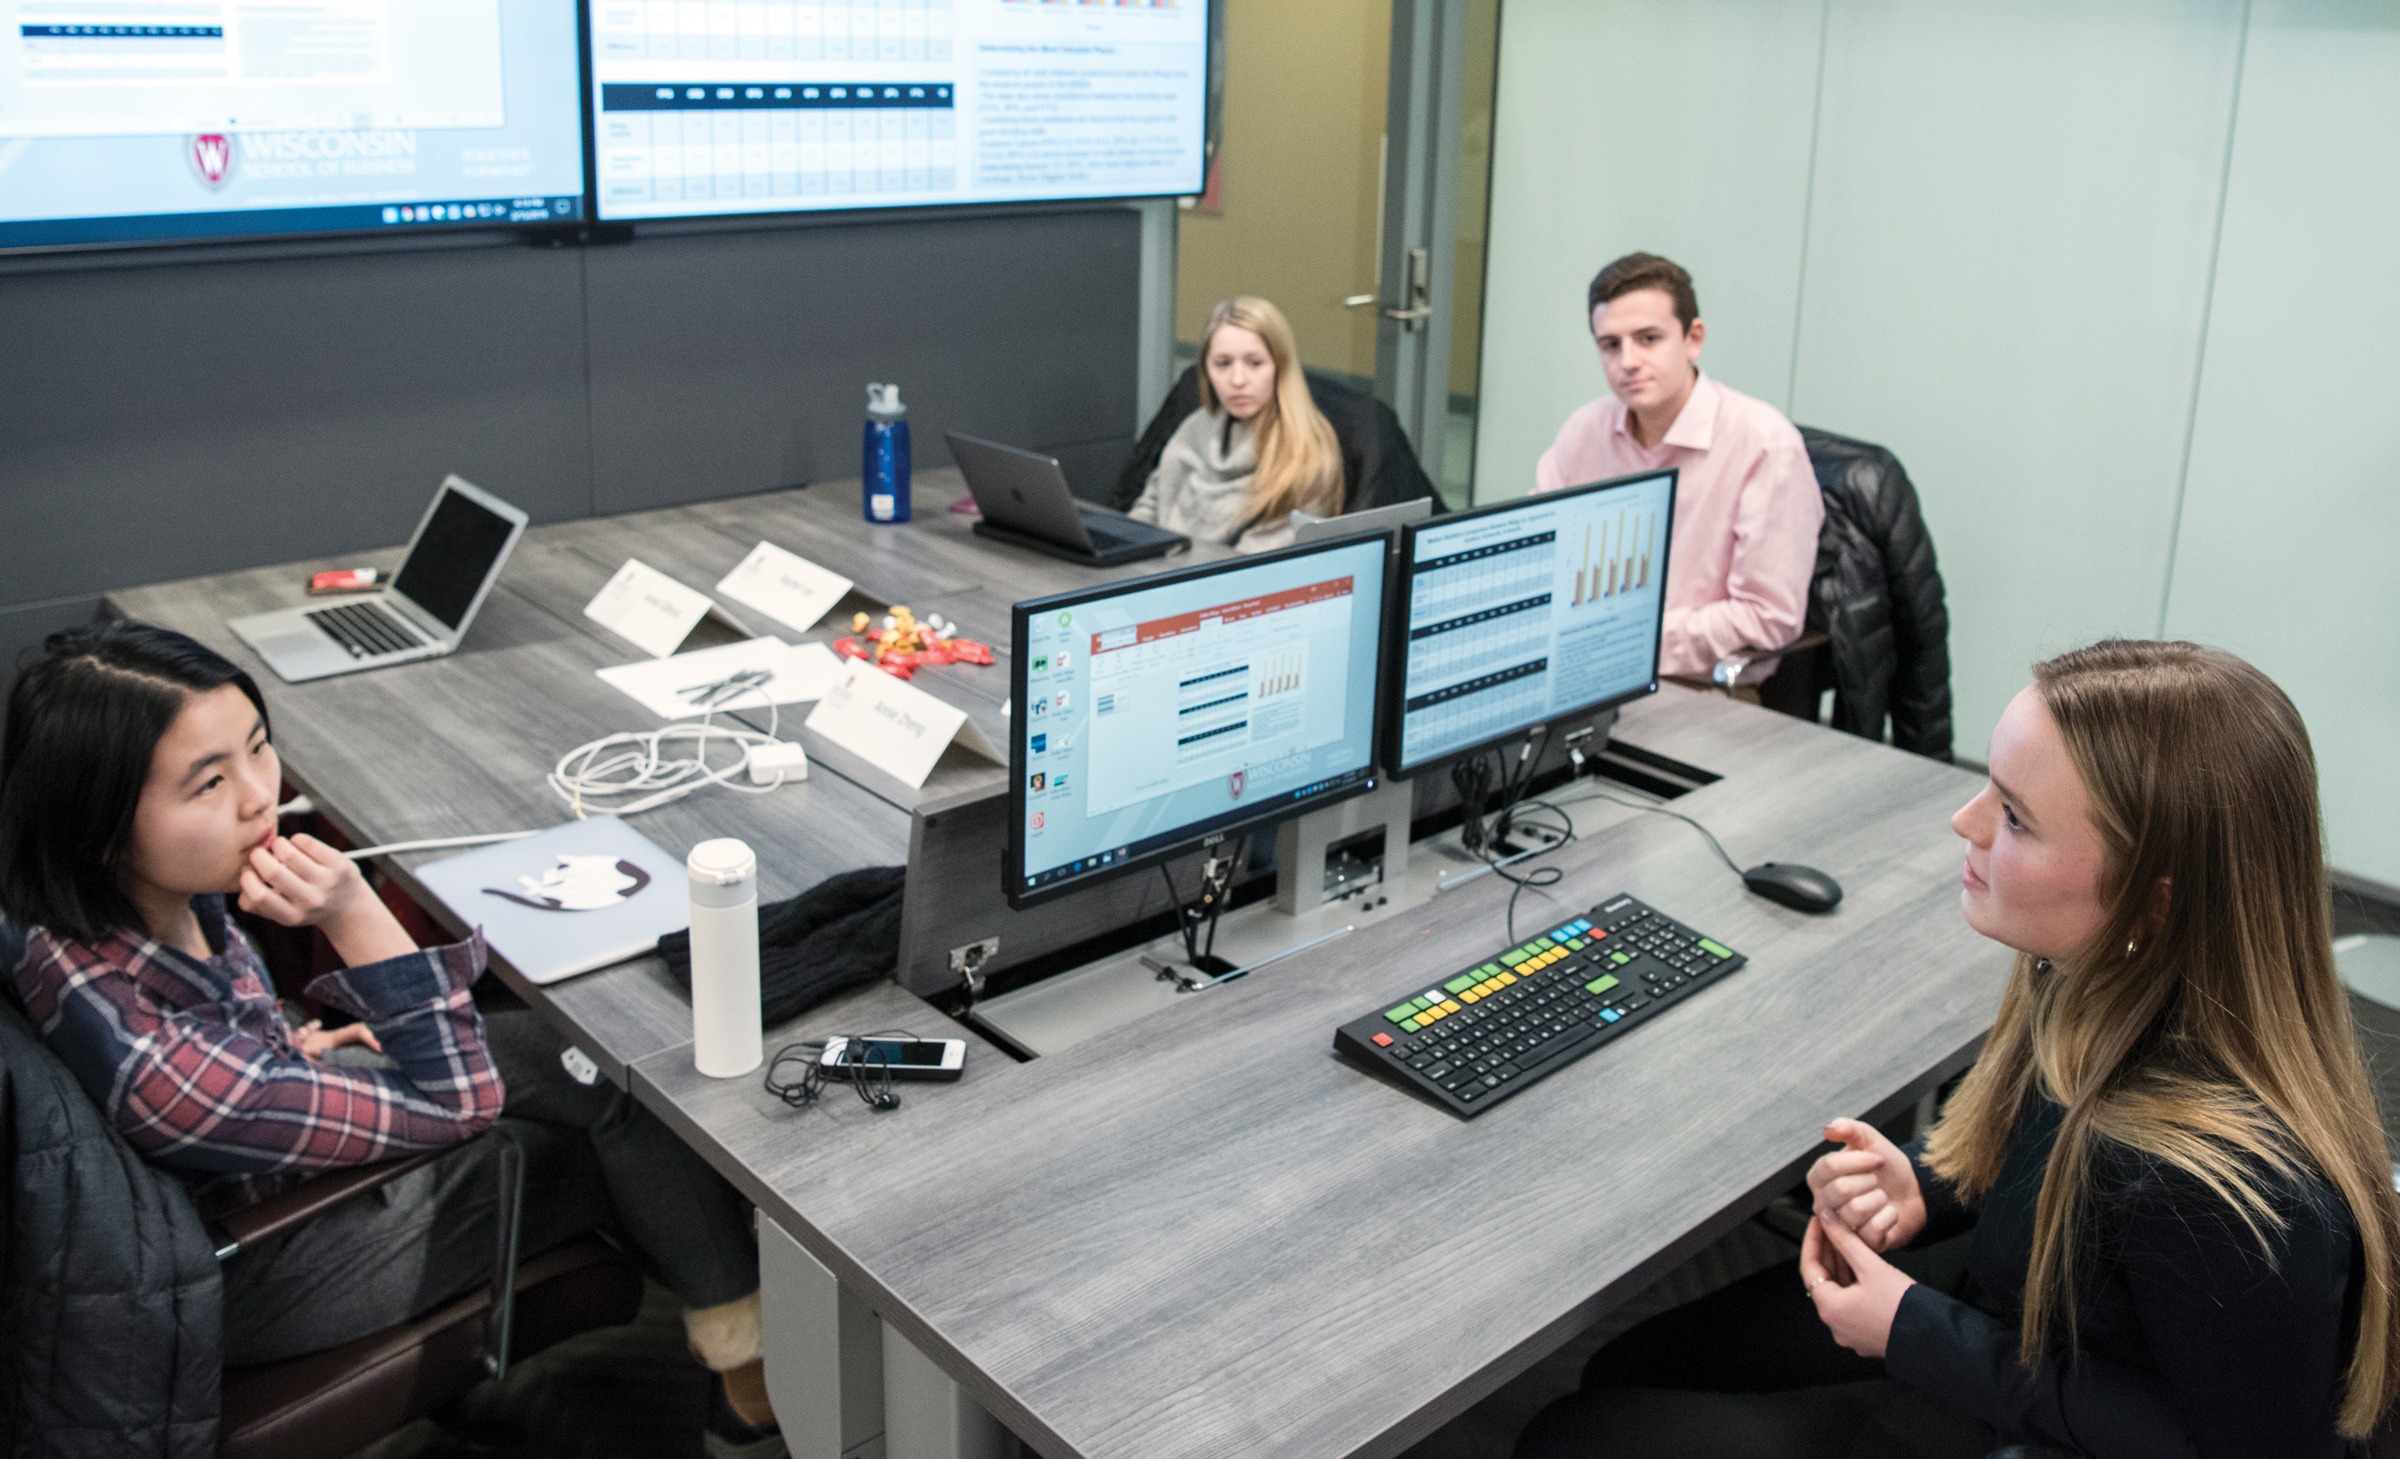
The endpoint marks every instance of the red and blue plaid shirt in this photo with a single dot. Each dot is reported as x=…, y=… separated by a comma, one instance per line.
x=195, y=1068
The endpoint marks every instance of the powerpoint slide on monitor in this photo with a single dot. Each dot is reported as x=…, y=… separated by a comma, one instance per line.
x=122, y=68
x=1521, y=614
x=1214, y=695
x=794, y=105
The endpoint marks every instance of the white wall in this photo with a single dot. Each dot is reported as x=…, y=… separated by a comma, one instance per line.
x=2008, y=269
x=1585, y=166
x=2290, y=549
x=2021, y=265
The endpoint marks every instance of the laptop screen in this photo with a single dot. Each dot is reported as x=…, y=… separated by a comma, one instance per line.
x=452, y=557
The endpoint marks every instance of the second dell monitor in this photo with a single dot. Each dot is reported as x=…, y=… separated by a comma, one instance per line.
x=1525, y=613
x=1153, y=714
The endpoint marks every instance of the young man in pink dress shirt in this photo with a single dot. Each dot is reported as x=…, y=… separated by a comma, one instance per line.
x=1747, y=507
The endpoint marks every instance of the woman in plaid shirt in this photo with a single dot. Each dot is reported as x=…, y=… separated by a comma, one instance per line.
x=138, y=786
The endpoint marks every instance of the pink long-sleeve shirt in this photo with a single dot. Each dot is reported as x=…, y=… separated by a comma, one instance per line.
x=1747, y=512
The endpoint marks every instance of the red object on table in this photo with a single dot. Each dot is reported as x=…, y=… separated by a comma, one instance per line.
x=905, y=665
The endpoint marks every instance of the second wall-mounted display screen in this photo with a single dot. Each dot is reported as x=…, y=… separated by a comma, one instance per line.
x=145, y=121
x=778, y=106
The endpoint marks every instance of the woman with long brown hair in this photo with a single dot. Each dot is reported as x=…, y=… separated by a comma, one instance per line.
x=2184, y=1234
x=1257, y=449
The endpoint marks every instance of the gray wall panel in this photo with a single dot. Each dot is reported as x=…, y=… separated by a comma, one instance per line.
x=165, y=421
x=737, y=362
x=173, y=418
x=23, y=629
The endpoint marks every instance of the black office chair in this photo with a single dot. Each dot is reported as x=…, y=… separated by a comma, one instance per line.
x=1877, y=632
x=1378, y=464
x=326, y=1404
x=316, y=1406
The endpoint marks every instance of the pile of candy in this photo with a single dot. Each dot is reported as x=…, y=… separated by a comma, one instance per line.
x=902, y=645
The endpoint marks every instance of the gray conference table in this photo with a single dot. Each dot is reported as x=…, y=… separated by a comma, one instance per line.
x=1207, y=1234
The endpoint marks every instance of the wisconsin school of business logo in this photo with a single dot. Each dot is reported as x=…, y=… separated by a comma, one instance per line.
x=211, y=155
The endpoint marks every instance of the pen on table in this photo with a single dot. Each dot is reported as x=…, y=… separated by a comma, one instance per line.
x=720, y=690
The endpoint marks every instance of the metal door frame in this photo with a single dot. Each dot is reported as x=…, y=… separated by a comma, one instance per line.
x=1418, y=269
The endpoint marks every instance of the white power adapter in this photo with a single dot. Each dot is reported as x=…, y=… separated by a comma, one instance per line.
x=781, y=759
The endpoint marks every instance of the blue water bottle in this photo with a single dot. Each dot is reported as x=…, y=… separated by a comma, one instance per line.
x=883, y=464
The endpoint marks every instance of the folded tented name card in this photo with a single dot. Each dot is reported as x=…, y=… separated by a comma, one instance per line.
x=708, y=681
x=785, y=586
x=652, y=611
x=896, y=727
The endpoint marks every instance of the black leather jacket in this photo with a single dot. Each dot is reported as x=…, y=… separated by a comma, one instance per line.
x=1877, y=596
x=1378, y=467
x=109, y=1292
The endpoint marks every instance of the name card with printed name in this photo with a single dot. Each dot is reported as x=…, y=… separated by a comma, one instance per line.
x=652, y=611
x=896, y=727
x=785, y=586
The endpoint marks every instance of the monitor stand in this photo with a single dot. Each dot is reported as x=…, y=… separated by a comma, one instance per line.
x=1336, y=873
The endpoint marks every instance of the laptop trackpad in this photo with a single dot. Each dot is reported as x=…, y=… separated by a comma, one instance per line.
x=292, y=646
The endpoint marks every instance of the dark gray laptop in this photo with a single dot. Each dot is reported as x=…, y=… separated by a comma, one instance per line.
x=452, y=561
x=1024, y=499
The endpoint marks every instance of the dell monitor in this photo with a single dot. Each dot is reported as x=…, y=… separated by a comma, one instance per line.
x=1526, y=613
x=1156, y=715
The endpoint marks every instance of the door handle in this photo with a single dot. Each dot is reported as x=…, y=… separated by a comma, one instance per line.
x=1420, y=290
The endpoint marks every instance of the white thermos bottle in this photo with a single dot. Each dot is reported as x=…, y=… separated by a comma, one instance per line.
x=726, y=1036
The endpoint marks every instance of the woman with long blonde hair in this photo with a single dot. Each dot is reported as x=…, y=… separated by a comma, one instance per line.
x=1257, y=449
x=2184, y=1237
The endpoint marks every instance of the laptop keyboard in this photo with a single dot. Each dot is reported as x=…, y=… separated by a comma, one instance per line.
x=1107, y=532
x=366, y=630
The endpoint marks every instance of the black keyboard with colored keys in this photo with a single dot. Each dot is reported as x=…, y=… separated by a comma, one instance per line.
x=1472, y=1040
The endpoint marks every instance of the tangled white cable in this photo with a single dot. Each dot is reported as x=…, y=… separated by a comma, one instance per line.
x=636, y=764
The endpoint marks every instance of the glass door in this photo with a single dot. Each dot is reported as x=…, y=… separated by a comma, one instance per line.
x=1349, y=152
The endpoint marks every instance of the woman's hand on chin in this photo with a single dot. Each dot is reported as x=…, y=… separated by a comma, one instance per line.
x=300, y=881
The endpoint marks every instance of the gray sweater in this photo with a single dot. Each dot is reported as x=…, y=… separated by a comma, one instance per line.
x=1202, y=483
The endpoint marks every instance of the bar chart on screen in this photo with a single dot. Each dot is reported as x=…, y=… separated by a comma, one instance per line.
x=1616, y=557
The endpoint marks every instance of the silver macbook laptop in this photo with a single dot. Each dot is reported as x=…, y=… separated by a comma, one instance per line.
x=452, y=561
x=1024, y=498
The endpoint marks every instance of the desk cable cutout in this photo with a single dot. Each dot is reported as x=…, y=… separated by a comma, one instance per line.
x=1217, y=875
x=872, y=1082
x=1540, y=876
x=1473, y=780
x=1575, y=753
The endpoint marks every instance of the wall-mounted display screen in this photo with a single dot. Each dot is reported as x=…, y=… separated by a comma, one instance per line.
x=777, y=106
x=140, y=121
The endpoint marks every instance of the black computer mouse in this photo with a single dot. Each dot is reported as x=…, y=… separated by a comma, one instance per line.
x=1794, y=885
